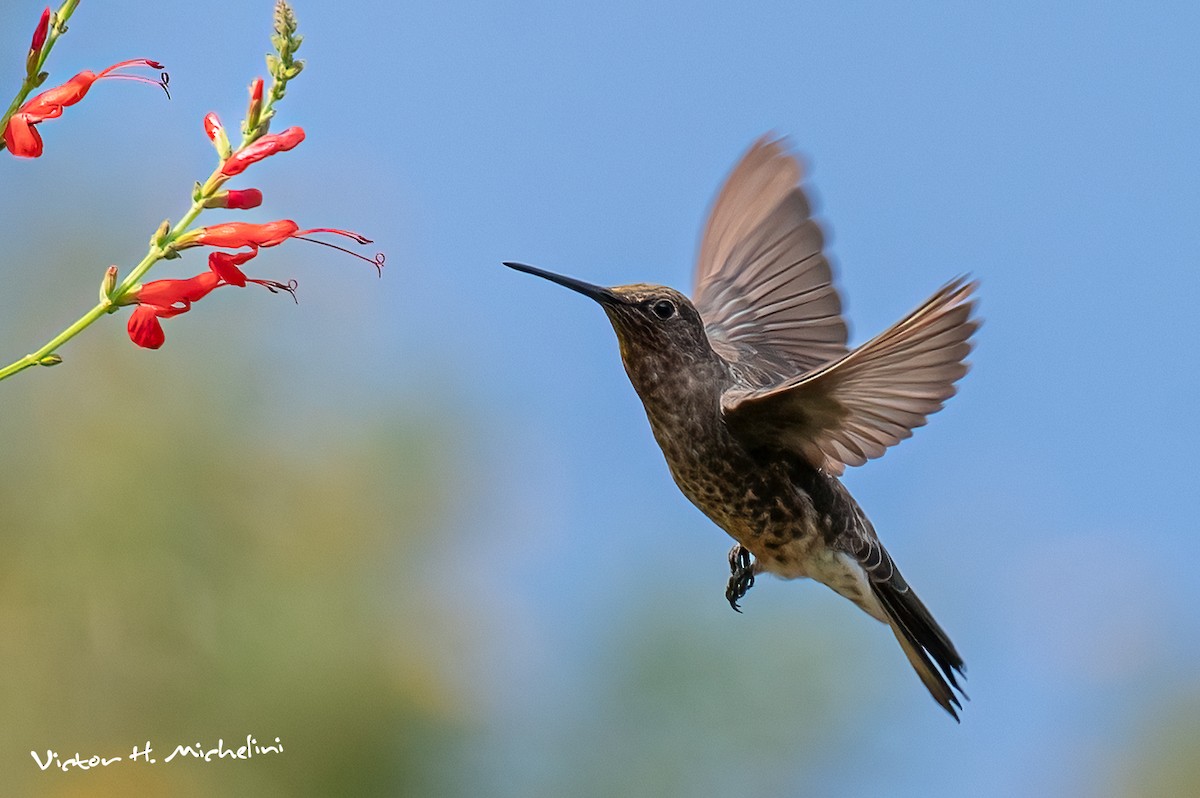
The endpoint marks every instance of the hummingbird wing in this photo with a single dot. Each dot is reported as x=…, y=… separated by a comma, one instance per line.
x=853, y=409
x=763, y=285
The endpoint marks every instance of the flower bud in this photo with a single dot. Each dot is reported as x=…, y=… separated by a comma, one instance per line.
x=36, y=44
x=216, y=132
x=254, y=111
x=238, y=199
x=265, y=147
x=39, y=35
x=108, y=284
x=160, y=234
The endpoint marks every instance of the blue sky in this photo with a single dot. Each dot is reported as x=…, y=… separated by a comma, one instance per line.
x=1045, y=515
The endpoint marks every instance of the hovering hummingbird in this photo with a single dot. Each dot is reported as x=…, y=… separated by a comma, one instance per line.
x=758, y=405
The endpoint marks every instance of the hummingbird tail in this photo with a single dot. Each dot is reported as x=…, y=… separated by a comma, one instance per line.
x=923, y=641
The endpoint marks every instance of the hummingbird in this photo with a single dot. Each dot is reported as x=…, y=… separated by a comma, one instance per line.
x=759, y=405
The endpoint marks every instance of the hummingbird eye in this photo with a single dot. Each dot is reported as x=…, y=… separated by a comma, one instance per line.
x=663, y=308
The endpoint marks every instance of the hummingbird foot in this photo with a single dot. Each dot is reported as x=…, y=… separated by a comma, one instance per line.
x=741, y=579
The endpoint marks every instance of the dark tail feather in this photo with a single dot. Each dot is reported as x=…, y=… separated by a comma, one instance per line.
x=922, y=639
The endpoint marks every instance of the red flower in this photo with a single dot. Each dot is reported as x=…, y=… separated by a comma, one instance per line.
x=21, y=139
x=162, y=299
x=20, y=136
x=255, y=109
x=172, y=297
x=243, y=199
x=238, y=199
x=216, y=132
x=39, y=33
x=266, y=146
x=233, y=235
x=213, y=126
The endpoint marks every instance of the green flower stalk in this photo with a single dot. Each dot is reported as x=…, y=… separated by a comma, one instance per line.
x=49, y=28
x=161, y=299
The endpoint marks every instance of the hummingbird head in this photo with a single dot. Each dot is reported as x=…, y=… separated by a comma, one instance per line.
x=657, y=327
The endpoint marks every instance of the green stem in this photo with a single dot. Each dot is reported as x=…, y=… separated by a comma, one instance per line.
x=35, y=358
x=158, y=249
x=115, y=298
x=155, y=254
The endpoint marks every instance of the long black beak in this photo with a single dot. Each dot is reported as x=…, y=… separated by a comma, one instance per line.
x=596, y=292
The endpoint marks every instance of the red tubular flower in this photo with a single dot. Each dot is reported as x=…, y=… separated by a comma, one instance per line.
x=212, y=125
x=172, y=297
x=216, y=132
x=233, y=235
x=238, y=199
x=162, y=299
x=20, y=136
x=255, y=108
x=40, y=33
x=51, y=102
x=243, y=199
x=266, y=146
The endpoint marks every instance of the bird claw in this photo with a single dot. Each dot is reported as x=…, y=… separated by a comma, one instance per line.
x=741, y=579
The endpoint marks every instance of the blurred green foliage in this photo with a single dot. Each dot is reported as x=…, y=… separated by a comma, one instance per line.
x=180, y=566
x=1163, y=760
x=698, y=704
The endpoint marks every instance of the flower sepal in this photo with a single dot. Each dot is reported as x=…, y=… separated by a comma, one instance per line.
x=107, y=285
x=254, y=125
x=160, y=235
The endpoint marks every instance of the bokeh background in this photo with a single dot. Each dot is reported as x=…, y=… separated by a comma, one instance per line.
x=417, y=527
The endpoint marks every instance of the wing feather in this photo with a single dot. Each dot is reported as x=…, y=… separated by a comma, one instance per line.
x=763, y=285
x=851, y=410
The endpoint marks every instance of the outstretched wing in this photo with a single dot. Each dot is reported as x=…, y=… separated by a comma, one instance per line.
x=763, y=285
x=853, y=409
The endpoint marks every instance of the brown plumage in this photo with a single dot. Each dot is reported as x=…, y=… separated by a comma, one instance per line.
x=759, y=406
